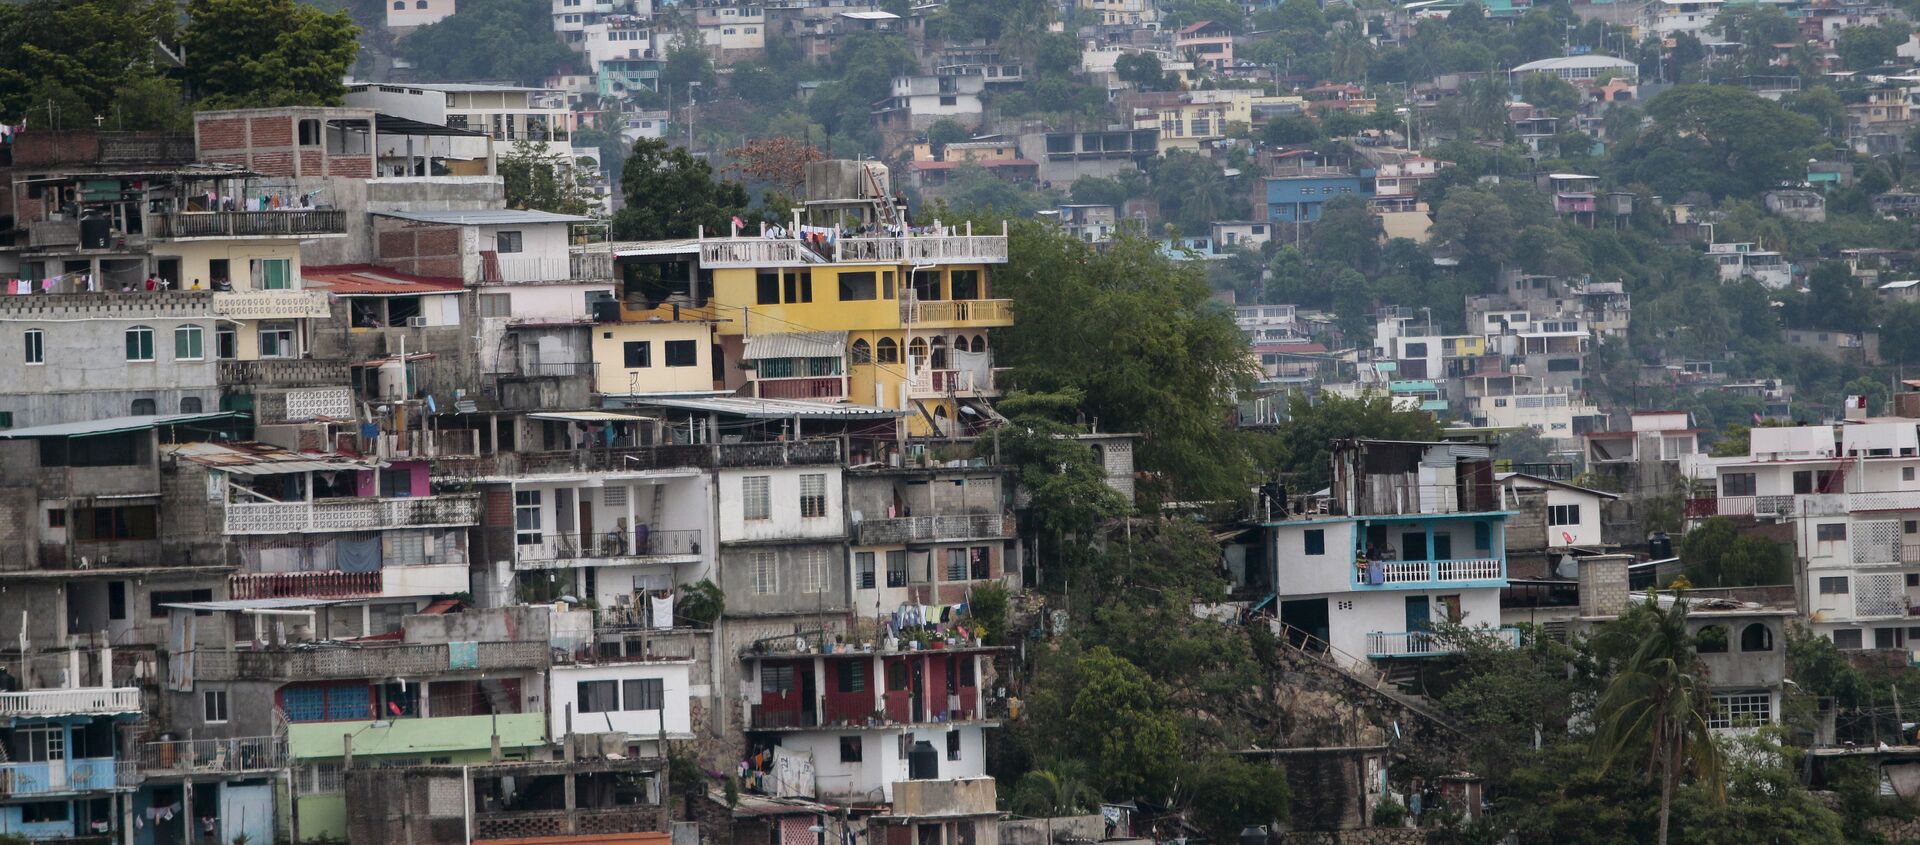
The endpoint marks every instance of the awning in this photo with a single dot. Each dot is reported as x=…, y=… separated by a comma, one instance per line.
x=387, y=124
x=795, y=345
x=114, y=425
x=770, y=409
x=252, y=605
x=587, y=416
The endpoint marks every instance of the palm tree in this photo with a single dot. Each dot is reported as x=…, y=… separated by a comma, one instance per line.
x=1656, y=706
x=1054, y=791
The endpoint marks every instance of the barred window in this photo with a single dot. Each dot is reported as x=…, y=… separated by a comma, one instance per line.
x=864, y=575
x=766, y=579
x=754, y=502
x=813, y=571
x=813, y=495
x=1741, y=710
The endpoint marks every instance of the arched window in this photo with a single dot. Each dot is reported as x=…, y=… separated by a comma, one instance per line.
x=862, y=353
x=419, y=4
x=1756, y=637
x=888, y=352
x=939, y=353
x=979, y=343
x=190, y=404
x=399, y=5
x=142, y=407
x=1711, y=639
x=917, y=349
x=140, y=344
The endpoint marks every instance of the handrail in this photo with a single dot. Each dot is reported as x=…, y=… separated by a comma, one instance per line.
x=1359, y=670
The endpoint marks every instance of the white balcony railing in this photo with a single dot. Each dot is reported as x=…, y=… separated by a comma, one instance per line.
x=270, y=304
x=984, y=312
x=352, y=514
x=70, y=702
x=1401, y=573
x=1425, y=643
x=936, y=383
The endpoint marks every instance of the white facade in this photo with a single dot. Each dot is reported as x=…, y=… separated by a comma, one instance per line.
x=882, y=762
x=673, y=719
x=607, y=41
x=1573, y=513
x=406, y=14
x=749, y=515
x=1241, y=234
x=1550, y=414
x=631, y=531
x=1742, y=260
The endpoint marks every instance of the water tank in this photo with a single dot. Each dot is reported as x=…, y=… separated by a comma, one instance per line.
x=923, y=763
x=96, y=233
x=393, y=380
x=1253, y=835
x=1659, y=546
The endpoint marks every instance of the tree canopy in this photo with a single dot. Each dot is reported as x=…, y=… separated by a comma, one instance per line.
x=671, y=194
x=488, y=39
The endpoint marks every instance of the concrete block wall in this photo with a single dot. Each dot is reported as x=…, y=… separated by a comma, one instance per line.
x=1603, y=585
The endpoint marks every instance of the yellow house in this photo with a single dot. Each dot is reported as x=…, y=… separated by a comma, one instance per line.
x=1189, y=118
x=639, y=357
x=260, y=294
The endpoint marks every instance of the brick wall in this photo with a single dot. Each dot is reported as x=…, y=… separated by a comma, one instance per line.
x=42, y=147
x=226, y=133
x=274, y=131
x=1603, y=585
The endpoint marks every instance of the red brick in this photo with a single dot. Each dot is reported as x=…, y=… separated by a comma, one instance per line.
x=395, y=246
x=311, y=162
x=443, y=241
x=358, y=167
x=273, y=164
x=273, y=131
x=227, y=133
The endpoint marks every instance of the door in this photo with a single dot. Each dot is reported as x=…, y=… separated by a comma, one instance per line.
x=246, y=809
x=1443, y=547
x=1413, y=545
x=588, y=539
x=1304, y=619
x=809, y=693
x=56, y=739
x=1419, y=614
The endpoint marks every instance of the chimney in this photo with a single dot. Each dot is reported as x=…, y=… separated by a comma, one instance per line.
x=1603, y=585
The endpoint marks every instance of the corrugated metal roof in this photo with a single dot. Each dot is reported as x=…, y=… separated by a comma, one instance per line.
x=770, y=409
x=484, y=217
x=113, y=425
x=587, y=416
x=260, y=459
x=244, y=605
x=795, y=345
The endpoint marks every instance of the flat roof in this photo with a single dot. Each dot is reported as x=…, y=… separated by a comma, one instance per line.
x=587, y=416
x=244, y=605
x=114, y=425
x=387, y=124
x=485, y=217
x=772, y=409
x=870, y=16
x=373, y=280
x=672, y=246
x=249, y=458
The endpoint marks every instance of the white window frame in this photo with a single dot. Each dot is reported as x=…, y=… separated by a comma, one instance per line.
x=764, y=569
x=213, y=707
x=196, y=338
x=35, y=347
x=527, y=503
x=1737, y=710
x=813, y=495
x=144, y=332
x=756, y=498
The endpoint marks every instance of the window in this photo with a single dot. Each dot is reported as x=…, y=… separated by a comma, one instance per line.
x=43, y=812
x=1563, y=365
x=1831, y=532
x=190, y=405
x=953, y=745
x=1316, y=541
x=956, y=564
x=140, y=343
x=526, y=517
x=506, y=242
x=813, y=495
x=1563, y=515
x=213, y=706
x=1756, y=637
x=1741, y=710
x=1711, y=639
x=766, y=578
x=799, y=286
x=1833, y=586
x=1737, y=484
x=856, y=287
x=419, y=4
x=226, y=343
x=863, y=570
x=965, y=284
x=850, y=675
x=887, y=351
x=896, y=569
x=399, y=5
x=36, y=346
x=643, y=694
x=221, y=269
x=862, y=352
x=189, y=344
x=754, y=501
x=776, y=680
x=767, y=287
x=980, y=563
x=813, y=571
x=143, y=408
x=1847, y=639
x=494, y=305
x=598, y=696
x=41, y=744
x=850, y=751
x=682, y=353
x=639, y=354
x=276, y=341
x=272, y=273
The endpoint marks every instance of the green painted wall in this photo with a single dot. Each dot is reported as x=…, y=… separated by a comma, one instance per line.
x=461, y=739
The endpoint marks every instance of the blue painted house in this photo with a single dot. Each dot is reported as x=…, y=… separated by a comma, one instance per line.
x=1299, y=198
x=66, y=775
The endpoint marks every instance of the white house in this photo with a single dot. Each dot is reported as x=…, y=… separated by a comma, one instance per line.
x=407, y=14
x=644, y=699
x=1573, y=512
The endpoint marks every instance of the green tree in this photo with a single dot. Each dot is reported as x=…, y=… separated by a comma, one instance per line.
x=1099, y=708
x=1478, y=224
x=1291, y=129
x=686, y=65
x=975, y=190
x=67, y=61
x=1900, y=332
x=1229, y=793
x=295, y=53
x=1154, y=355
x=537, y=178
x=1193, y=192
x=1719, y=139
x=1715, y=554
x=671, y=194
x=1550, y=92
x=1654, y=711
x=1867, y=47
x=1142, y=70
x=489, y=39
x=1056, y=790
x=1347, y=234
x=946, y=131
x=1298, y=453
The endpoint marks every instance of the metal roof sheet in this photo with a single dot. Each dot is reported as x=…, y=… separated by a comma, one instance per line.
x=244, y=605
x=485, y=217
x=795, y=345
x=771, y=409
x=114, y=425
x=260, y=459
x=587, y=416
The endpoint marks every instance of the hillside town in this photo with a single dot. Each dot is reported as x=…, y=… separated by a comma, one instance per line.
x=970, y=422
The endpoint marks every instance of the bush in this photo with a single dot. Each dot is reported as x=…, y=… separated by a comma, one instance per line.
x=988, y=607
x=1389, y=813
x=702, y=602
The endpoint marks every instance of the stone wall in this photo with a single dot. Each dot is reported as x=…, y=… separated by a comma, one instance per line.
x=1365, y=836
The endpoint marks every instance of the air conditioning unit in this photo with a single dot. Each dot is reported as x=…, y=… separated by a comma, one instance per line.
x=416, y=322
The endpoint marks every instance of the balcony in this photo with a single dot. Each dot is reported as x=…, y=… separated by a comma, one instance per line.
x=353, y=514
x=1417, y=574
x=559, y=548
x=306, y=585
x=761, y=718
x=290, y=223
x=212, y=756
x=271, y=304
x=381, y=661
x=284, y=372
x=934, y=384
x=924, y=249
x=88, y=701
x=1425, y=643
x=575, y=462
x=909, y=529
x=754, y=252
x=514, y=825
x=577, y=267
x=820, y=388
x=52, y=233
x=65, y=777
x=956, y=313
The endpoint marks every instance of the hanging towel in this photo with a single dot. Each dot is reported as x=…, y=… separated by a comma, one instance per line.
x=662, y=611
x=463, y=655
